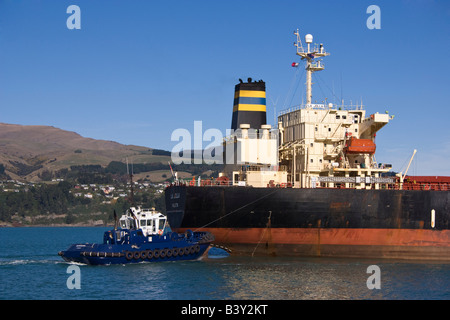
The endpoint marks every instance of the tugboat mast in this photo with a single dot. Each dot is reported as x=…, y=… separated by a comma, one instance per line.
x=311, y=65
x=131, y=200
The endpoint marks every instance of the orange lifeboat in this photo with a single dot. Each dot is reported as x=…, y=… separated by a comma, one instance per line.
x=360, y=146
x=223, y=180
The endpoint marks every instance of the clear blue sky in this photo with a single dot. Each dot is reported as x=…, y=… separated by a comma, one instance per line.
x=137, y=70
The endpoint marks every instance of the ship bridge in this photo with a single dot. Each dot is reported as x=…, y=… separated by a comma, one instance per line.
x=329, y=145
x=315, y=144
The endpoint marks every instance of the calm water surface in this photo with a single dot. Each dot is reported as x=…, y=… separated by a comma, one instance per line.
x=31, y=269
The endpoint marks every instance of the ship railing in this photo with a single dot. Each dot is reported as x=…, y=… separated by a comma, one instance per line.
x=385, y=183
x=341, y=165
x=317, y=64
x=390, y=186
x=202, y=183
x=427, y=186
x=247, y=167
x=419, y=186
x=321, y=106
x=252, y=134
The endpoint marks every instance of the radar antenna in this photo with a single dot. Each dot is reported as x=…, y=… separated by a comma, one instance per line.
x=311, y=65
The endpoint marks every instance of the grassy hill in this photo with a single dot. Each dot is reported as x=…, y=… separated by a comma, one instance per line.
x=27, y=151
x=43, y=153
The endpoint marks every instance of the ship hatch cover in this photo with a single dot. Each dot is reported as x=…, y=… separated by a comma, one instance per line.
x=360, y=146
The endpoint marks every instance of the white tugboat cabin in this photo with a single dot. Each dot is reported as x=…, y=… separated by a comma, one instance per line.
x=150, y=221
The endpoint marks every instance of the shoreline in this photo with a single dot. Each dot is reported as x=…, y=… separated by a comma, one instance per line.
x=13, y=225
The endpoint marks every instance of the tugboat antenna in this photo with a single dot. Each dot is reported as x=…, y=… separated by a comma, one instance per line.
x=131, y=183
x=115, y=220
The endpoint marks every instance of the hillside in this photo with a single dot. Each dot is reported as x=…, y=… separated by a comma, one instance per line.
x=27, y=151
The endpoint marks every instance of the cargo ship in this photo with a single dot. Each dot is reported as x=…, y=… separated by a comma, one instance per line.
x=312, y=186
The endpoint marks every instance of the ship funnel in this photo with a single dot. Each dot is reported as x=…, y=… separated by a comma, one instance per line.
x=249, y=104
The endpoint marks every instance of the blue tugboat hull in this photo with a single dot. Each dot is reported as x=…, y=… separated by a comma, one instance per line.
x=172, y=247
x=101, y=254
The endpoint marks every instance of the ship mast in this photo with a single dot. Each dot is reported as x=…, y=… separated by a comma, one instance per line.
x=311, y=65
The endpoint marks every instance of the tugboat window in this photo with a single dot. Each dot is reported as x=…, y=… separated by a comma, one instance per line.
x=162, y=222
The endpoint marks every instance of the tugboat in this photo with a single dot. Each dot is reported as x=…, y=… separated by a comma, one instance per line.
x=143, y=235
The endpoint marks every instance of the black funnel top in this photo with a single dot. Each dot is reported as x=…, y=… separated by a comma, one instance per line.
x=249, y=104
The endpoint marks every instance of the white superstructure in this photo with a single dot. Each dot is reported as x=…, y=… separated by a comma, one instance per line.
x=315, y=145
x=252, y=157
x=326, y=145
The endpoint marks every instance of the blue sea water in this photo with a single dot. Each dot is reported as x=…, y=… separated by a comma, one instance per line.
x=31, y=269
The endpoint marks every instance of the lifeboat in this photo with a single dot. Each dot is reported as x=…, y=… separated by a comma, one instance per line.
x=354, y=145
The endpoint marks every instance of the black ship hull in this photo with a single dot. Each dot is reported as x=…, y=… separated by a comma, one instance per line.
x=411, y=224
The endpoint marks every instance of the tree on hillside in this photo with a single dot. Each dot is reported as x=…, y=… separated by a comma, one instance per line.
x=46, y=175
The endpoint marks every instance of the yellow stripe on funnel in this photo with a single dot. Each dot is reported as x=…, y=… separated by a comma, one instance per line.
x=250, y=93
x=249, y=107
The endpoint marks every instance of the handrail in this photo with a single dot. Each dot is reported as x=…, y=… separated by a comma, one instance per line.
x=389, y=186
x=320, y=106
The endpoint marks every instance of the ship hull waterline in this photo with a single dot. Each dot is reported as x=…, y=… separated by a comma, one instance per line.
x=323, y=222
x=336, y=242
